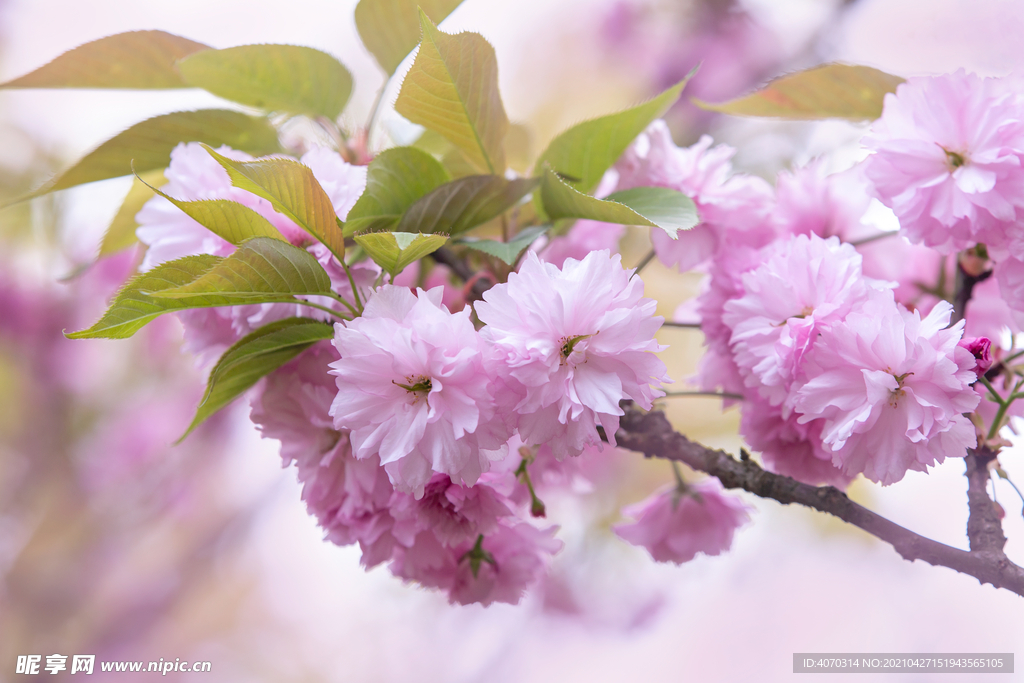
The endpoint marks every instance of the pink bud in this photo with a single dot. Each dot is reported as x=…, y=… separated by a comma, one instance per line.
x=981, y=348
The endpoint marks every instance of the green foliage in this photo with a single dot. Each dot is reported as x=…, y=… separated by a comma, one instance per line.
x=252, y=357
x=393, y=251
x=132, y=308
x=120, y=233
x=390, y=29
x=147, y=145
x=228, y=220
x=395, y=179
x=584, y=152
x=509, y=251
x=135, y=60
x=452, y=88
x=279, y=78
x=261, y=270
x=465, y=203
x=830, y=91
x=655, y=207
x=291, y=188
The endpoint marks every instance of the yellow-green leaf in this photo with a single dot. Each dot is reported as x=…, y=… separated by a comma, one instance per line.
x=280, y=78
x=253, y=356
x=395, y=179
x=132, y=308
x=452, y=88
x=292, y=190
x=464, y=203
x=228, y=220
x=393, y=251
x=509, y=251
x=135, y=60
x=120, y=233
x=584, y=152
x=262, y=270
x=390, y=29
x=830, y=91
x=656, y=207
x=147, y=145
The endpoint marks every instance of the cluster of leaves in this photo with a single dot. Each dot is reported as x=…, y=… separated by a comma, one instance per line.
x=453, y=186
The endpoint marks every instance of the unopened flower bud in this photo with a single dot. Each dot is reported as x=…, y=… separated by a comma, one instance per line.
x=981, y=348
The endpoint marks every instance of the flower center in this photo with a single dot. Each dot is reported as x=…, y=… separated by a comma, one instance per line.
x=420, y=386
x=954, y=159
x=569, y=343
x=896, y=393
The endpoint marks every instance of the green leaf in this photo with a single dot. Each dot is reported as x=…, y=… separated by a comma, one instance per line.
x=395, y=179
x=280, y=78
x=228, y=220
x=390, y=29
x=655, y=207
x=518, y=147
x=147, y=145
x=452, y=88
x=830, y=91
x=136, y=60
x=465, y=203
x=262, y=270
x=509, y=251
x=584, y=152
x=393, y=251
x=131, y=309
x=293, y=190
x=252, y=357
x=120, y=233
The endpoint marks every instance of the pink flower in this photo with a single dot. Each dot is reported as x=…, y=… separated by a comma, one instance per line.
x=583, y=237
x=789, y=447
x=1010, y=276
x=415, y=385
x=947, y=160
x=576, y=340
x=350, y=498
x=453, y=513
x=675, y=525
x=497, y=567
x=892, y=389
x=981, y=349
x=806, y=285
x=732, y=206
x=809, y=201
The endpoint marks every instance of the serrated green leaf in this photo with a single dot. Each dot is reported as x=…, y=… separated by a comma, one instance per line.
x=584, y=152
x=656, y=207
x=452, y=88
x=509, y=251
x=120, y=233
x=464, y=203
x=252, y=357
x=395, y=179
x=390, y=29
x=147, y=145
x=279, y=78
x=135, y=60
x=292, y=190
x=831, y=91
x=393, y=251
x=229, y=220
x=261, y=270
x=131, y=309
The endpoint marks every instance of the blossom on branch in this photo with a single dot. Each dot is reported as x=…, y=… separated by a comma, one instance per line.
x=575, y=341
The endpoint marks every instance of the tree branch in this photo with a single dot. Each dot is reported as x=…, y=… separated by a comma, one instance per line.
x=652, y=435
x=478, y=282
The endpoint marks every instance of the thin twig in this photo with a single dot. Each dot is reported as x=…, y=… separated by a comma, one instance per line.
x=480, y=282
x=651, y=434
x=672, y=323
x=643, y=263
x=874, y=238
x=716, y=394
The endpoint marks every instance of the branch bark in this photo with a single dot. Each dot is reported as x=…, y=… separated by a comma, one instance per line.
x=477, y=283
x=653, y=435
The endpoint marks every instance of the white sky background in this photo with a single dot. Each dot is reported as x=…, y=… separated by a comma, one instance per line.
x=793, y=583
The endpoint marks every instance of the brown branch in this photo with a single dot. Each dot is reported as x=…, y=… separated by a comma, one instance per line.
x=984, y=528
x=652, y=435
x=481, y=282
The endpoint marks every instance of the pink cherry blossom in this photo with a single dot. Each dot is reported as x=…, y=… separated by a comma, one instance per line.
x=947, y=160
x=675, y=525
x=581, y=239
x=733, y=207
x=981, y=349
x=806, y=284
x=576, y=341
x=415, y=385
x=810, y=201
x=891, y=388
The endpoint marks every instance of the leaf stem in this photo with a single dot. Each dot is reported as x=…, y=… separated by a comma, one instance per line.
x=874, y=238
x=716, y=394
x=672, y=323
x=355, y=290
x=643, y=263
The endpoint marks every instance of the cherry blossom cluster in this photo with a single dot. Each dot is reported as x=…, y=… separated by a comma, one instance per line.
x=416, y=432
